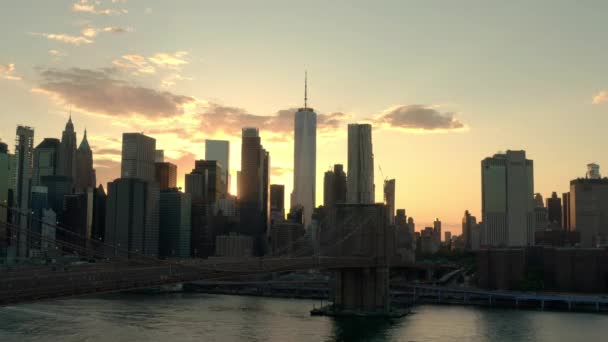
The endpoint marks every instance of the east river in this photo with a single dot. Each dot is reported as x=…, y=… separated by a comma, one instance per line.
x=200, y=317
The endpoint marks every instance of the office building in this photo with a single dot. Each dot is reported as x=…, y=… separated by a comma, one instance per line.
x=67, y=151
x=4, y=186
x=46, y=159
x=287, y=239
x=589, y=210
x=468, y=222
x=76, y=220
x=98, y=229
x=85, y=174
x=132, y=217
x=138, y=153
x=437, y=231
x=404, y=237
x=507, y=199
x=305, y=160
x=48, y=235
x=166, y=175
x=360, y=178
x=206, y=188
x=540, y=214
x=57, y=187
x=566, y=211
x=554, y=211
x=254, y=189
x=277, y=203
x=389, y=198
x=175, y=207
x=448, y=237
x=219, y=150
x=334, y=186
x=234, y=246
x=38, y=204
x=24, y=152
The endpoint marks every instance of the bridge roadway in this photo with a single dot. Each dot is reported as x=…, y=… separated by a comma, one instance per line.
x=25, y=285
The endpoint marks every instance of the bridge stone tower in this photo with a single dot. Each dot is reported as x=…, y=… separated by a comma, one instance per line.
x=363, y=231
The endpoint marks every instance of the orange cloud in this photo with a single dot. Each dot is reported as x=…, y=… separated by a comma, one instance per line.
x=600, y=97
x=7, y=72
x=65, y=38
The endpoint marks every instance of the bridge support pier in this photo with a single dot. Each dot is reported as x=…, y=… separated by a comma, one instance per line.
x=363, y=290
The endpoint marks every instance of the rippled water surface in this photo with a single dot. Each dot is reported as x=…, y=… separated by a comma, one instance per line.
x=194, y=317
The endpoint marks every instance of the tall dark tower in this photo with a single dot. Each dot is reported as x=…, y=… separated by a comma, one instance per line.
x=67, y=151
x=85, y=174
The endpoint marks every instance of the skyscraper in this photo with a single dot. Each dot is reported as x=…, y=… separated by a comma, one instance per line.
x=132, y=208
x=24, y=152
x=67, y=151
x=437, y=231
x=175, y=226
x=205, y=186
x=360, y=178
x=85, y=174
x=138, y=153
x=277, y=203
x=132, y=217
x=566, y=211
x=305, y=159
x=554, y=211
x=219, y=150
x=254, y=188
x=507, y=199
x=166, y=175
x=46, y=159
x=389, y=198
x=468, y=223
x=4, y=180
x=589, y=210
x=334, y=186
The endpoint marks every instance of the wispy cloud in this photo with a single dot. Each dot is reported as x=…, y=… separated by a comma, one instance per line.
x=600, y=97
x=65, y=38
x=136, y=62
x=7, y=72
x=418, y=118
x=87, y=6
x=171, y=60
x=93, y=32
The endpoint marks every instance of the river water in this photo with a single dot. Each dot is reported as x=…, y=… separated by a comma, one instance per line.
x=200, y=317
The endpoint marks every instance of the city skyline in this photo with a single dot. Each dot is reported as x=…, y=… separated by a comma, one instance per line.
x=41, y=85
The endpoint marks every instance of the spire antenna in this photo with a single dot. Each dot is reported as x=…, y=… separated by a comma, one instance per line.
x=305, y=89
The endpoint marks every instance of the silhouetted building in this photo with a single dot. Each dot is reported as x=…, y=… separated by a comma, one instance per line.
x=206, y=187
x=287, y=239
x=305, y=160
x=219, y=150
x=67, y=151
x=46, y=159
x=334, y=186
x=138, y=153
x=468, y=222
x=175, y=228
x=360, y=178
x=76, y=220
x=277, y=203
x=38, y=204
x=132, y=217
x=4, y=186
x=234, y=246
x=404, y=237
x=166, y=175
x=58, y=187
x=389, y=198
x=254, y=189
x=24, y=151
x=85, y=173
x=589, y=210
x=507, y=199
x=593, y=171
x=159, y=156
x=437, y=231
x=98, y=230
x=540, y=214
x=554, y=211
x=566, y=211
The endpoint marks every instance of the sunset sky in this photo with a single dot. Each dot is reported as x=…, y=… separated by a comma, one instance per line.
x=445, y=84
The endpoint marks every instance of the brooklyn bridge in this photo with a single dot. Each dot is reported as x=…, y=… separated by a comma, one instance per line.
x=356, y=244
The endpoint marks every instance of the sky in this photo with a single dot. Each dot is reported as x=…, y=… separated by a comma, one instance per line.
x=444, y=84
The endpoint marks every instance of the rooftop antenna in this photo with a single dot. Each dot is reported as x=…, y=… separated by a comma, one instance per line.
x=305, y=89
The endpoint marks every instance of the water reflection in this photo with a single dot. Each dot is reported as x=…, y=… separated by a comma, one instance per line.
x=361, y=329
